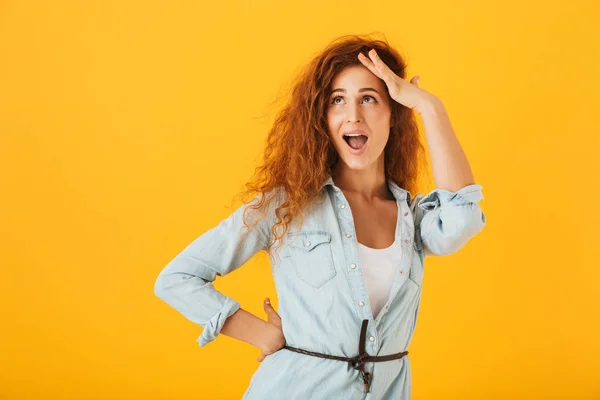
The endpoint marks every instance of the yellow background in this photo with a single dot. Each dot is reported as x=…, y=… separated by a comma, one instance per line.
x=126, y=128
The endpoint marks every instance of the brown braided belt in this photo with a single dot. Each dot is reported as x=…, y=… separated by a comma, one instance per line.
x=359, y=361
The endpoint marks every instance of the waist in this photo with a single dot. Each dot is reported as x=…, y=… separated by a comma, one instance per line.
x=357, y=362
x=353, y=360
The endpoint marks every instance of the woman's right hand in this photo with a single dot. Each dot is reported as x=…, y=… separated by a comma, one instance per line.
x=273, y=333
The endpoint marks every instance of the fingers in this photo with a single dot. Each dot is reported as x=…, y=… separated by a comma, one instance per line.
x=376, y=60
x=370, y=65
x=272, y=315
x=378, y=67
x=383, y=71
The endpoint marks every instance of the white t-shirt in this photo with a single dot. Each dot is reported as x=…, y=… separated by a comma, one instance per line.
x=380, y=267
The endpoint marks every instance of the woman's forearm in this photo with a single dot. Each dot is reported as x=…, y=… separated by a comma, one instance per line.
x=451, y=170
x=245, y=326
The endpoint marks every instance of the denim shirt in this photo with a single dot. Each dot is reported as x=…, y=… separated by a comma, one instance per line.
x=321, y=291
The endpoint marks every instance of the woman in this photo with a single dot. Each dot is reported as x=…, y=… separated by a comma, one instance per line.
x=346, y=239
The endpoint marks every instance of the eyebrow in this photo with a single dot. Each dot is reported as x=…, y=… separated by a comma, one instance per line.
x=359, y=90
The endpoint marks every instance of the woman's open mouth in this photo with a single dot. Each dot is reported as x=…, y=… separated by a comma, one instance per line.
x=356, y=143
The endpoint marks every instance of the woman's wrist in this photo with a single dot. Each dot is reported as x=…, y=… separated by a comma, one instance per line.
x=247, y=327
x=272, y=339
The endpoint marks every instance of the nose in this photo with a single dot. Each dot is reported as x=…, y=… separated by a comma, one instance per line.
x=353, y=113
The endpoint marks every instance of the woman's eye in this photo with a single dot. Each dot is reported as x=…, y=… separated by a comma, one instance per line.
x=340, y=97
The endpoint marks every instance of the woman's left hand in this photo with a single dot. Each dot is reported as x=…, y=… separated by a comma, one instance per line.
x=274, y=339
x=406, y=93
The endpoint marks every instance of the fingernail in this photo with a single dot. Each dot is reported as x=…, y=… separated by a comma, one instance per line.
x=267, y=300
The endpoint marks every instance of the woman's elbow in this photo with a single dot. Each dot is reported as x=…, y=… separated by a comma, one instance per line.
x=444, y=239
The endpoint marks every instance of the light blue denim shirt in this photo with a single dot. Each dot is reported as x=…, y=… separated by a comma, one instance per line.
x=321, y=291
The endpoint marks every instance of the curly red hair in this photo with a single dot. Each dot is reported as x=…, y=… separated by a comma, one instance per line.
x=299, y=153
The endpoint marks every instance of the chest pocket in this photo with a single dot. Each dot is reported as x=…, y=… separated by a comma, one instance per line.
x=311, y=257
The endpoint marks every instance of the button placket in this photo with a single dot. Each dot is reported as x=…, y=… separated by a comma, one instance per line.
x=348, y=235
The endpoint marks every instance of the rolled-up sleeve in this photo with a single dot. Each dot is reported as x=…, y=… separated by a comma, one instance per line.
x=185, y=283
x=448, y=220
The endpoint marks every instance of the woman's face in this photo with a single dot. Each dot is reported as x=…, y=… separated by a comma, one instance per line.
x=359, y=101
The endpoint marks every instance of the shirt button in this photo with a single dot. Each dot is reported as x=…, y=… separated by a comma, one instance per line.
x=307, y=244
x=371, y=339
x=348, y=235
x=343, y=206
x=406, y=213
x=406, y=241
x=401, y=271
x=353, y=266
x=362, y=303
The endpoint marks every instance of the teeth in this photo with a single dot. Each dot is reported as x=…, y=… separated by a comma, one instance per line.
x=354, y=134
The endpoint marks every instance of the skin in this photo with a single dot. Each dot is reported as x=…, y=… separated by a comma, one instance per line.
x=363, y=176
x=451, y=169
x=272, y=333
x=367, y=110
x=364, y=104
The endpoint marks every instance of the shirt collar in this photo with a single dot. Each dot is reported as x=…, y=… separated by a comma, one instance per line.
x=397, y=191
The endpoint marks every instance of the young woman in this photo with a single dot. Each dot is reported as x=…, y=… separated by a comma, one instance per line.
x=346, y=239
